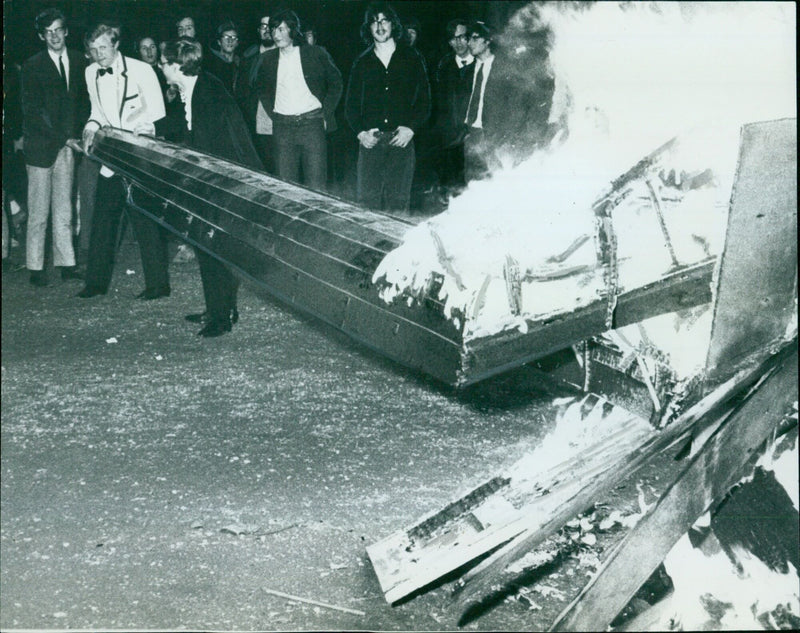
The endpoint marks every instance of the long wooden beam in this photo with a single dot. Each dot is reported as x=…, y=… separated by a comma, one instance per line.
x=319, y=254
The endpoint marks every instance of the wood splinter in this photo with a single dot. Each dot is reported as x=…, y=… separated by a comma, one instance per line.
x=314, y=602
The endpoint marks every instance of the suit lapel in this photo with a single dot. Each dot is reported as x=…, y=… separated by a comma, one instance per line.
x=124, y=87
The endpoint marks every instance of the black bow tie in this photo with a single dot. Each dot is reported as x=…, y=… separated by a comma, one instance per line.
x=103, y=71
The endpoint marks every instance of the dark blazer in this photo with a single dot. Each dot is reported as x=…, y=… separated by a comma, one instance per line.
x=516, y=106
x=322, y=78
x=246, y=90
x=453, y=87
x=218, y=126
x=51, y=114
x=227, y=72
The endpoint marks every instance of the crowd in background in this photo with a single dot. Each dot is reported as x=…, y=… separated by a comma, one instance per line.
x=393, y=130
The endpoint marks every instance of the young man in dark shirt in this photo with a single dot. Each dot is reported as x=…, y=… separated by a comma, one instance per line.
x=388, y=100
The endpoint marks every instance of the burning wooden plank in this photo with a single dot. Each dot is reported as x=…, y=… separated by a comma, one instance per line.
x=323, y=256
x=716, y=467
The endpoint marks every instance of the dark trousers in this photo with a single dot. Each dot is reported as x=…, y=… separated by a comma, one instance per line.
x=219, y=286
x=384, y=176
x=108, y=208
x=300, y=144
x=477, y=156
x=451, y=167
x=88, y=174
x=265, y=145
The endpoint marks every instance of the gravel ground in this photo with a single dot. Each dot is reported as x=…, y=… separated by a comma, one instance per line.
x=155, y=479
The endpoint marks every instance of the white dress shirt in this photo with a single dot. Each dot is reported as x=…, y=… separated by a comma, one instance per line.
x=292, y=95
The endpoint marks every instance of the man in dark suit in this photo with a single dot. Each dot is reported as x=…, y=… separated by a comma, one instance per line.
x=300, y=87
x=54, y=106
x=453, y=86
x=216, y=126
x=508, y=107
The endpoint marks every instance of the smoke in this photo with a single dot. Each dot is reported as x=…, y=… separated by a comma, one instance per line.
x=628, y=78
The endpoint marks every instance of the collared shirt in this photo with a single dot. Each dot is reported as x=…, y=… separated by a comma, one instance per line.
x=65, y=59
x=292, y=95
x=186, y=96
x=464, y=61
x=479, y=92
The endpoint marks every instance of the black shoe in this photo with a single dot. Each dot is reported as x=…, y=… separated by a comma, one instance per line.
x=88, y=292
x=148, y=294
x=198, y=317
x=215, y=328
x=38, y=278
x=70, y=272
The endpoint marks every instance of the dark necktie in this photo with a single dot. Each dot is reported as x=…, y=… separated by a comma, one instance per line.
x=63, y=72
x=475, y=98
x=103, y=71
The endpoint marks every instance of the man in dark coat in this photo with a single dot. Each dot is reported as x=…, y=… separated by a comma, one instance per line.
x=214, y=125
x=508, y=107
x=300, y=87
x=247, y=95
x=55, y=105
x=388, y=100
x=453, y=86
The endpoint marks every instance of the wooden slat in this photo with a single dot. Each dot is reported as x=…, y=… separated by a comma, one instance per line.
x=479, y=581
x=720, y=463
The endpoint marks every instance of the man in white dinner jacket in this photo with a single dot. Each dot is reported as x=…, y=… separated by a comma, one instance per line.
x=124, y=93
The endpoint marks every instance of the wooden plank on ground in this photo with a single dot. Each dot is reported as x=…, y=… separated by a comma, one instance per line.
x=504, y=506
x=479, y=581
x=705, y=481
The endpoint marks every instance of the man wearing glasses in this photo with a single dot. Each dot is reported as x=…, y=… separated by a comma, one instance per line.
x=388, y=100
x=223, y=60
x=453, y=87
x=508, y=107
x=258, y=121
x=54, y=105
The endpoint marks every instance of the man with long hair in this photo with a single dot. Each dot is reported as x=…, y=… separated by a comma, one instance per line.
x=215, y=125
x=388, y=100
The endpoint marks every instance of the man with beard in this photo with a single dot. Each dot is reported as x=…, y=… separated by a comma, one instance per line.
x=247, y=88
x=214, y=125
x=388, y=100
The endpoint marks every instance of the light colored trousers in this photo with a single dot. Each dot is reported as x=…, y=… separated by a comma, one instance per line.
x=50, y=187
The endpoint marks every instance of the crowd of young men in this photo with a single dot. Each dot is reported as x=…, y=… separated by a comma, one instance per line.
x=271, y=108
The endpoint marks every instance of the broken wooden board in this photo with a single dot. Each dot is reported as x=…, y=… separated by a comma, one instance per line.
x=318, y=254
x=716, y=467
x=756, y=287
x=527, y=493
x=479, y=581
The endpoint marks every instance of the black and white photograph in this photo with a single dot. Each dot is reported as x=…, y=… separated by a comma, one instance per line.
x=406, y=315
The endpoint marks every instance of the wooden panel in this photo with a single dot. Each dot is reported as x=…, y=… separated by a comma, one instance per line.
x=757, y=282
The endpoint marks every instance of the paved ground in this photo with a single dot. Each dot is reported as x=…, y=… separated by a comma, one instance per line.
x=154, y=479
